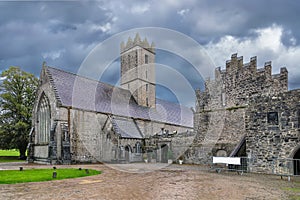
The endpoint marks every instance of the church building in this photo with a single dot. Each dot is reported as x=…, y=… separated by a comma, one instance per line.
x=244, y=112
x=77, y=119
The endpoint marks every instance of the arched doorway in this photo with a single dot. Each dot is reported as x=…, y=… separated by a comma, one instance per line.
x=221, y=153
x=296, y=162
x=164, y=153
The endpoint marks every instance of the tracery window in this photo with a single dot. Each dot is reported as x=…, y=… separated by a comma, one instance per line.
x=43, y=120
x=138, y=148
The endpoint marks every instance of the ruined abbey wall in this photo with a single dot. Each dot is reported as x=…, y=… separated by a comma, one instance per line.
x=219, y=121
x=272, y=125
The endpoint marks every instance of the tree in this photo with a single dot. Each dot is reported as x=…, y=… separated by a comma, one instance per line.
x=17, y=95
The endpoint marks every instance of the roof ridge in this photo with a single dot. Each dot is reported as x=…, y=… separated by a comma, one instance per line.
x=170, y=102
x=81, y=76
x=49, y=75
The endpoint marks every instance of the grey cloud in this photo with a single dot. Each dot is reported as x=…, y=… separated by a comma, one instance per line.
x=30, y=30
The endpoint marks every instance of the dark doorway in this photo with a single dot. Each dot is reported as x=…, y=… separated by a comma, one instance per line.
x=164, y=153
x=296, y=162
x=127, y=153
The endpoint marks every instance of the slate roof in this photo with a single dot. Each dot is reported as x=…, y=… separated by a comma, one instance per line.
x=87, y=94
x=125, y=127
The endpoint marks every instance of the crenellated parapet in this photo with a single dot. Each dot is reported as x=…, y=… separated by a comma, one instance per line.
x=235, y=66
x=137, y=41
x=234, y=85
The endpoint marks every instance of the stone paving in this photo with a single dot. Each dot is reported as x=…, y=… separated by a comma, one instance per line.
x=153, y=181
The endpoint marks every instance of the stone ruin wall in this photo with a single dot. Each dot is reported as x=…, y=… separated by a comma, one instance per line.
x=219, y=120
x=268, y=138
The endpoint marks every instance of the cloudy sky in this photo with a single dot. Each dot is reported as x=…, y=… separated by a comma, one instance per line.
x=63, y=33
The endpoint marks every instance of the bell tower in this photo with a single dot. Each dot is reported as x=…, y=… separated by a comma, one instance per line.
x=138, y=70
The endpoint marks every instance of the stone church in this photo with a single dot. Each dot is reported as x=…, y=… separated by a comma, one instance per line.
x=244, y=112
x=77, y=119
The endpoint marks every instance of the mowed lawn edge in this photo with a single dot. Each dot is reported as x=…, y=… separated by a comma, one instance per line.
x=9, y=152
x=11, y=155
x=40, y=175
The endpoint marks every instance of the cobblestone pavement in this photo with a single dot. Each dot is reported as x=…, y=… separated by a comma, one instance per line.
x=170, y=182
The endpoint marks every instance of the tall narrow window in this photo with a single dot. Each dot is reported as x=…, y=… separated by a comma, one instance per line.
x=43, y=119
x=147, y=103
x=146, y=59
x=138, y=148
x=146, y=87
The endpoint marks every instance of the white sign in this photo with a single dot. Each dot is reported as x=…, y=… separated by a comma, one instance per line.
x=227, y=160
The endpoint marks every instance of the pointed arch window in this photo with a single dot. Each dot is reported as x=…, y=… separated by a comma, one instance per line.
x=138, y=147
x=43, y=119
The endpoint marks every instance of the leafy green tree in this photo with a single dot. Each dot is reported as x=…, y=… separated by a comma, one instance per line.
x=17, y=95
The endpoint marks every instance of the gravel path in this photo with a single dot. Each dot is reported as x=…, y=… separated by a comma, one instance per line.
x=151, y=182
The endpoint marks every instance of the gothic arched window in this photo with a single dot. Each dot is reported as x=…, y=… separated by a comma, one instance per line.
x=138, y=148
x=43, y=119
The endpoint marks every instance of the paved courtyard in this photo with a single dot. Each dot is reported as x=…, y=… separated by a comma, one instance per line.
x=151, y=181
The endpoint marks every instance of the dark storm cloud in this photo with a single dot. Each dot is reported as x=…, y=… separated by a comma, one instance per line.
x=62, y=33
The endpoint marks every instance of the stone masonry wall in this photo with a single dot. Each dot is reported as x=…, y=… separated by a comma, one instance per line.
x=272, y=125
x=223, y=129
x=86, y=135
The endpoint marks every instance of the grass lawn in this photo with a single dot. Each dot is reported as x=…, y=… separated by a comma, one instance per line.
x=9, y=156
x=11, y=152
x=37, y=175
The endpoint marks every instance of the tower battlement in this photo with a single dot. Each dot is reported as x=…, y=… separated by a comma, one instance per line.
x=236, y=65
x=138, y=70
x=234, y=85
x=137, y=42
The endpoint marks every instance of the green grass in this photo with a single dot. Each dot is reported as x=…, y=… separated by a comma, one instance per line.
x=11, y=155
x=12, y=152
x=37, y=175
